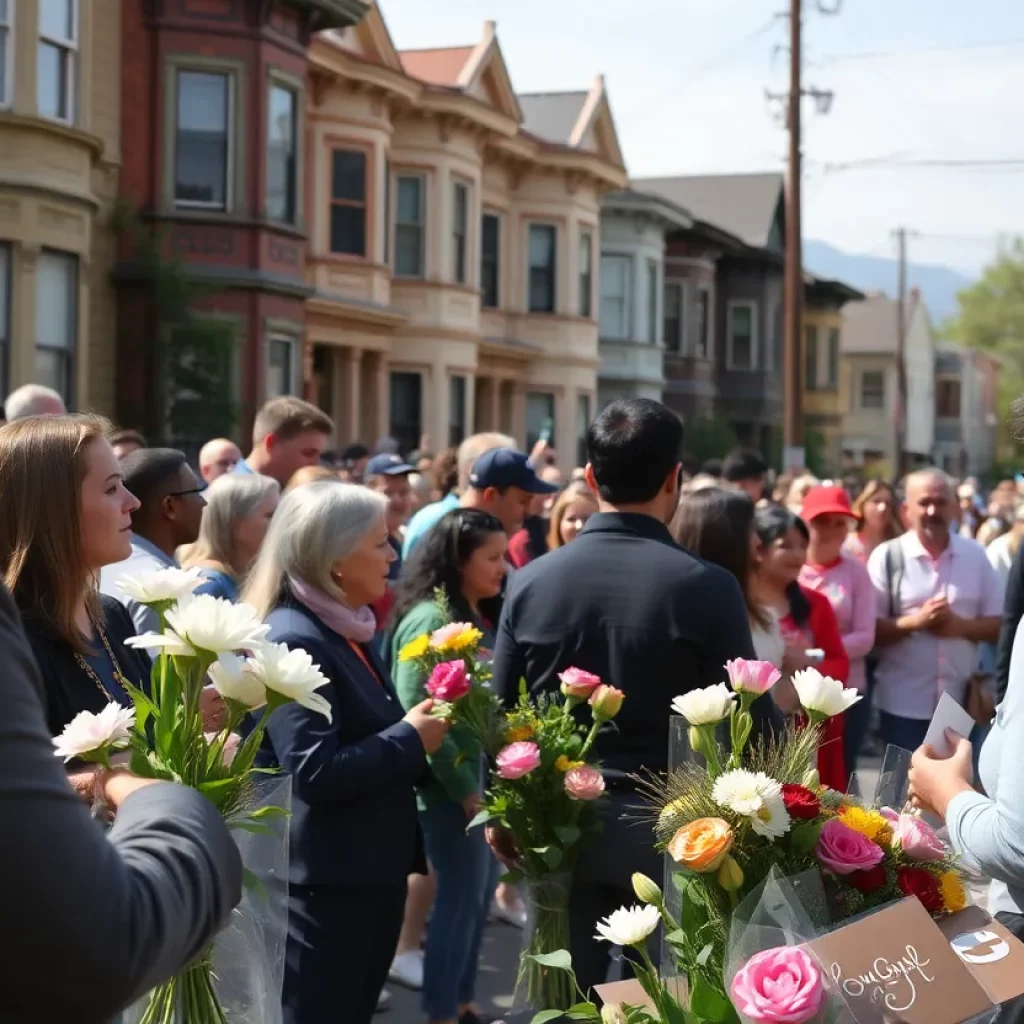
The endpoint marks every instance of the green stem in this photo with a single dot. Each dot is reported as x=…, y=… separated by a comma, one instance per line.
x=588, y=742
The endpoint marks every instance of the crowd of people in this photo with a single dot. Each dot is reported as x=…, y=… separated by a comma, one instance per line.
x=633, y=569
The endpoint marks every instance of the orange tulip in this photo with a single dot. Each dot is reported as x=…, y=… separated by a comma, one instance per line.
x=702, y=845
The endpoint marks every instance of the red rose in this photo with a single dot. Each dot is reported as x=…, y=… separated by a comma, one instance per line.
x=800, y=802
x=922, y=884
x=868, y=881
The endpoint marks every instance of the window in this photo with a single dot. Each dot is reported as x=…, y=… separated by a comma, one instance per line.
x=810, y=358
x=582, y=426
x=540, y=418
x=703, y=346
x=672, y=327
x=203, y=140
x=586, y=274
x=460, y=226
x=56, y=319
x=652, y=301
x=542, y=268
x=872, y=389
x=5, y=318
x=282, y=152
x=456, y=411
x=387, y=211
x=409, y=234
x=55, y=67
x=348, y=202
x=490, y=260
x=616, y=279
x=6, y=70
x=406, y=410
x=832, y=376
x=947, y=398
x=741, y=353
x=281, y=367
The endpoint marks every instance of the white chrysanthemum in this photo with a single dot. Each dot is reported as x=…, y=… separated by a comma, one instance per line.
x=89, y=733
x=202, y=622
x=628, y=926
x=708, y=706
x=743, y=792
x=233, y=680
x=155, y=586
x=292, y=674
x=772, y=819
x=823, y=695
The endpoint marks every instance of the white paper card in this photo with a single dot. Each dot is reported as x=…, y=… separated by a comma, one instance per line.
x=948, y=715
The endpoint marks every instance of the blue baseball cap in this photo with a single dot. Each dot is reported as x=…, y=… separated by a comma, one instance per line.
x=503, y=467
x=388, y=465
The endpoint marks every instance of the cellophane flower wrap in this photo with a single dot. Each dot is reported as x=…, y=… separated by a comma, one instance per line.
x=206, y=641
x=544, y=787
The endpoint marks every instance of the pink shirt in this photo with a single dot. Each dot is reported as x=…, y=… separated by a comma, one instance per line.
x=913, y=673
x=848, y=587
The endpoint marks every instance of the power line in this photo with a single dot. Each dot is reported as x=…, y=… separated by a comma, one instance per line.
x=890, y=163
x=922, y=50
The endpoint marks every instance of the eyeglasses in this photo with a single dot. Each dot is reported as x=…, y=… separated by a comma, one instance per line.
x=185, y=494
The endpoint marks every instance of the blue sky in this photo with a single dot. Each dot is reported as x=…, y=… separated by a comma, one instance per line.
x=687, y=80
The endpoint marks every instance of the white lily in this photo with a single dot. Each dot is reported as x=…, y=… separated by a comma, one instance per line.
x=292, y=674
x=202, y=622
x=233, y=679
x=628, y=926
x=88, y=733
x=708, y=706
x=155, y=586
x=821, y=695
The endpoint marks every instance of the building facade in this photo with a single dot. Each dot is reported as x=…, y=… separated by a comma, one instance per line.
x=60, y=155
x=641, y=316
x=216, y=143
x=965, y=410
x=454, y=246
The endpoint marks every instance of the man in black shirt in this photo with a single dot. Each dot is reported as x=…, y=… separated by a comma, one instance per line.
x=626, y=602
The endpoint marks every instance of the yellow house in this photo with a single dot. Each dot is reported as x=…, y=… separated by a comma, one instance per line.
x=454, y=243
x=823, y=404
x=60, y=127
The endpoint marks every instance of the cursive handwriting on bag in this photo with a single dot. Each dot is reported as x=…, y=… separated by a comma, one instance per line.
x=884, y=975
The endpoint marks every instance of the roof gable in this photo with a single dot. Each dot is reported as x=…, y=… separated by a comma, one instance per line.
x=438, y=66
x=370, y=40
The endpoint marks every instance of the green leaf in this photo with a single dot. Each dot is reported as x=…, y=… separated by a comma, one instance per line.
x=253, y=882
x=705, y=954
x=561, y=959
x=480, y=818
x=706, y=1002
x=255, y=827
x=583, y=1011
x=263, y=813
x=568, y=835
x=804, y=838
x=511, y=877
x=545, y=1015
x=552, y=856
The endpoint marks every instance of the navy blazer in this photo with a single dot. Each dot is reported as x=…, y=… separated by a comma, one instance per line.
x=353, y=799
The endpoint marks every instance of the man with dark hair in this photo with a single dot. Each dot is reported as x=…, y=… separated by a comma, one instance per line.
x=287, y=435
x=353, y=462
x=124, y=442
x=745, y=470
x=169, y=514
x=624, y=601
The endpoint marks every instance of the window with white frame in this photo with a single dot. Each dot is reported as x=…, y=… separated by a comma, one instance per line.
x=5, y=318
x=586, y=274
x=348, y=202
x=702, y=334
x=872, y=389
x=672, y=328
x=543, y=267
x=456, y=410
x=652, y=301
x=947, y=397
x=202, y=139
x=409, y=226
x=56, y=322
x=460, y=231
x=616, y=296
x=741, y=336
x=6, y=51
x=56, y=71
x=490, y=260
x=282, y=366
x=282, y=153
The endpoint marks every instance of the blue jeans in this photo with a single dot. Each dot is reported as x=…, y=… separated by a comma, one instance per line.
x=467, y=875
x=908, y=733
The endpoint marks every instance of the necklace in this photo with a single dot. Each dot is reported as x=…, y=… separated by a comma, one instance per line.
x=91, y=673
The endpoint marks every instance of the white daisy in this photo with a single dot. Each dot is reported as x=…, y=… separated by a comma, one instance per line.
x=743, y=792
x=772, y=819
x=628, y=926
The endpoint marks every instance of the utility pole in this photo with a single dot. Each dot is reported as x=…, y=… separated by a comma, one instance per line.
x=900, y=462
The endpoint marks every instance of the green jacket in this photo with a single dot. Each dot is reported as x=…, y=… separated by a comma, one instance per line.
x=456, y=765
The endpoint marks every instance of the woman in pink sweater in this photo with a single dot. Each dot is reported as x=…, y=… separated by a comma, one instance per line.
x=845, y=582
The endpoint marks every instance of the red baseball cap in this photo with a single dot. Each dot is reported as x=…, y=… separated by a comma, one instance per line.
x=824, y=501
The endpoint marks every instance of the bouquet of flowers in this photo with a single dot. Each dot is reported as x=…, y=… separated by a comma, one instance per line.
x=201, y=638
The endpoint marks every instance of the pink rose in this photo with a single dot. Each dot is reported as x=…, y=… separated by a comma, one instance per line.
x=779, y=986
x=584, y=783
x=579, y=684
x=517, y=760
x=752, y=676
x=918, y=839
x=890, y=815
x=844, y=851
x=449, y=681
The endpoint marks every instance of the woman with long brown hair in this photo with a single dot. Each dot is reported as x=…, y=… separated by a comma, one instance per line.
x=877, y=516
x=64, y=514
x=575, y=505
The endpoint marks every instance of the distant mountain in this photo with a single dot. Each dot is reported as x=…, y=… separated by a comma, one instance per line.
x=938, y=284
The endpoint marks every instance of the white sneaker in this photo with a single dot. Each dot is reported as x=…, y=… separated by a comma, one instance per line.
x=407, y=969
x=383, y=1000
x=515, y=916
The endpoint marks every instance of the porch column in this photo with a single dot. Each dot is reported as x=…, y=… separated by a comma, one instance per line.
x=517, y=418
x=494, y=410
x=382, y=395
x=348, y=411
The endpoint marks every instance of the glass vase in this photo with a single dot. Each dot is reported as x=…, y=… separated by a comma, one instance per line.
x=547, y=930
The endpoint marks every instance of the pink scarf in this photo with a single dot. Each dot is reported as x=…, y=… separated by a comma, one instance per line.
x=358, y=625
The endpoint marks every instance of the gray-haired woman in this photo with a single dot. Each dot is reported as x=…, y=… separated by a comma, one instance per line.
x=238, y=511
x=354, y=832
